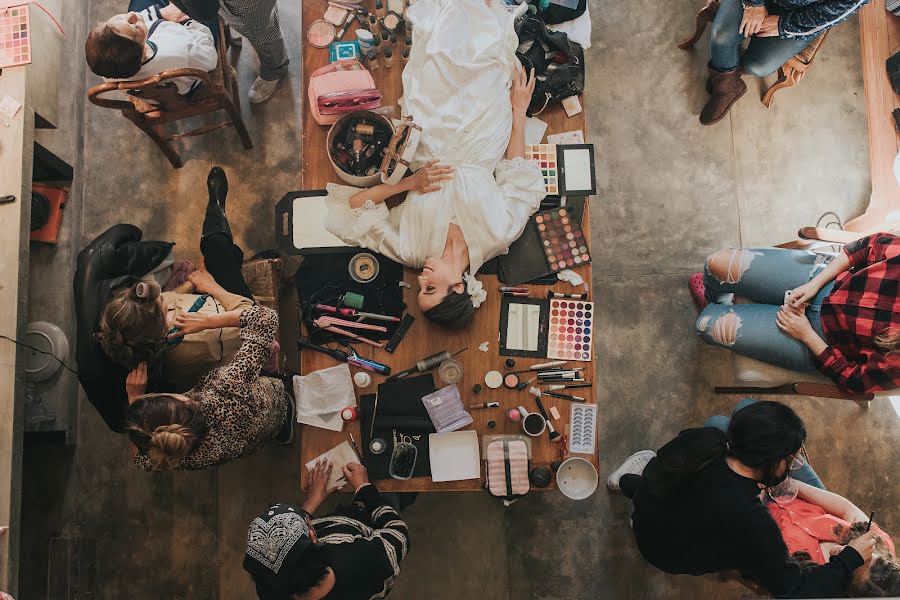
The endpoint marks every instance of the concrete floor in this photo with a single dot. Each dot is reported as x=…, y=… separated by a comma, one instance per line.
x=671, y=192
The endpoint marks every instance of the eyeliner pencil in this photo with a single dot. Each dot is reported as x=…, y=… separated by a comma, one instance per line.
x=871, y=516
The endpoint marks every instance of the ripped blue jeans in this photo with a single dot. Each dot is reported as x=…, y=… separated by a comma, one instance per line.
x=761, y=275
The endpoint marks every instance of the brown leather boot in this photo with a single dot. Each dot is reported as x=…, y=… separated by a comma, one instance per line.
x=727, y=88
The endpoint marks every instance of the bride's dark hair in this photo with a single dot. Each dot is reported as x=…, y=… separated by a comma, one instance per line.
x=455, y=311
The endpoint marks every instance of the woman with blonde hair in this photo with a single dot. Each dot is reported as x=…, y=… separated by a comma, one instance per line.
x=840, y=317
x=230, y=413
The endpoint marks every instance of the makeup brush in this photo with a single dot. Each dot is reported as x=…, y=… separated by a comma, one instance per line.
x=554, y=435
x=871, y=516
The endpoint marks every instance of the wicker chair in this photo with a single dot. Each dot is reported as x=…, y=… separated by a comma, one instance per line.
x=790, y=73
x=153, y=103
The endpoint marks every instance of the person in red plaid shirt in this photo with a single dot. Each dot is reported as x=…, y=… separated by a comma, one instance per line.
x=840, y=316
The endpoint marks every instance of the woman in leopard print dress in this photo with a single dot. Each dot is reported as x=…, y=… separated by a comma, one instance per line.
x=231, y=412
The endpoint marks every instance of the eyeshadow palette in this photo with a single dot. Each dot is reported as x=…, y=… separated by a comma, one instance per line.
x=15, y=37
x=582, y=428
x=571, y=330
x=562, y=239
x=545, y=154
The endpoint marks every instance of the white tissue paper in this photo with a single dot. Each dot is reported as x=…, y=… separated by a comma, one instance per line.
x=322, y=395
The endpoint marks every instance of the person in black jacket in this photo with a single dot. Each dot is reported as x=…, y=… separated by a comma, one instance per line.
x=351, y=555
x=697, y=505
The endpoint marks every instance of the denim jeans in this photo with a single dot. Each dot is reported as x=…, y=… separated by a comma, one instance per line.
x=806, y=474
x=763, y=55
x=139, y=5
x=765, y=275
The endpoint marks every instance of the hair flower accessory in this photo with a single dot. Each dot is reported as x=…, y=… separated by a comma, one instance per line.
x=475, y=289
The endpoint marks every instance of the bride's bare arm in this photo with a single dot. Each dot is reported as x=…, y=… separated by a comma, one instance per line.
x=520, y=97
x=426, y=179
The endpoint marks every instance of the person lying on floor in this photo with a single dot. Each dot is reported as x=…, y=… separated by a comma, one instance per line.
x=819, y=524
x=697, y=504
x=134, y=324
x=152, y=37
x=293, y=556
x=778, y=29
x=469, y=207
x=842, y=318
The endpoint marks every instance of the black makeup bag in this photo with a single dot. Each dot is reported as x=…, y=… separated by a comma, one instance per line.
x=558, y=62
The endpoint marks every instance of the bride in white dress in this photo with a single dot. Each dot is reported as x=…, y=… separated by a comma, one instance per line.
x=474, y=191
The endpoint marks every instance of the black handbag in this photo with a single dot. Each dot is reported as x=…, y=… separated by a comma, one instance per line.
x=558, y=63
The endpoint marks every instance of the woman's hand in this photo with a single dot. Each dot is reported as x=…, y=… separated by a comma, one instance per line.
x=172, y=13
x=752, y=20
x=356, y=474
x=195, y=322
x=522, y=90
x=793, y=322
x=136, y=382
x=318, y=490
x=203, y=282
x=865, y=544
x=803, y=294
x=429, y=177
x=769, y=27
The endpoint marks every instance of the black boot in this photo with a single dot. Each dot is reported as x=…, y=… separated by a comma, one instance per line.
x=217, y=184
x=215, y=221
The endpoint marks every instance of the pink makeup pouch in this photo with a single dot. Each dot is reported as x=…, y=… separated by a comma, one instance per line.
x=341, y=87
x=507, y=469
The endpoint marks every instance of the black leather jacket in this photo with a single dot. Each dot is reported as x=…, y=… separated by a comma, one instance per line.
x=115, y=257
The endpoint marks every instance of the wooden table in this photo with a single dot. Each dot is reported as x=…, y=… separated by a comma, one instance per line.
x=424, y=339
x=879, y=33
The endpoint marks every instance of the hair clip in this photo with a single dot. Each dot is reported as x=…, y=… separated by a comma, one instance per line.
x=142, y=289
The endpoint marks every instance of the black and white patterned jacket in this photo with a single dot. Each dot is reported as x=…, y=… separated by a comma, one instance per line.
x=808, y=18
x=365, y=551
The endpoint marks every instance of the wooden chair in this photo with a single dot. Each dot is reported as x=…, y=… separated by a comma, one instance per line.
x=790, y=73
x=757, y=377
x=154, y=102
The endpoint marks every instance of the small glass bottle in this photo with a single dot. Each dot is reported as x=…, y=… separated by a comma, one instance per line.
x=373, y=27
x=404, y=55
x=376, y=45
x=372, y=59
x=388, y=57
x=393, y=41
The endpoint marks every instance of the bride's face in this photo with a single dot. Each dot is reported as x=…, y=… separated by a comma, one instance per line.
x=436, y=278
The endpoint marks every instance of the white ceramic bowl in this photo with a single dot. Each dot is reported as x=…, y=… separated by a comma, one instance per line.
x=577, y=478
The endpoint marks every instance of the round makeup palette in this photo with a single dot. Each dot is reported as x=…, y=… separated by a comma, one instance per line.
x=571, y=330
x=562, y=240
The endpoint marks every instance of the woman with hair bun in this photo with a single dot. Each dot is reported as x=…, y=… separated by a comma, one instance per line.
x=230, y=413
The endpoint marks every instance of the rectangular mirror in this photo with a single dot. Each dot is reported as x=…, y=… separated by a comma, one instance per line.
x=523, y=327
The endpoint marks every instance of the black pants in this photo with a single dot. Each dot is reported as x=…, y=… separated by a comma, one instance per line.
x=630, y=483
x=223, y=261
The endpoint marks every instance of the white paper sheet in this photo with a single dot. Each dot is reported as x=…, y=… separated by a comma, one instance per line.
x=322, y=395
x=566, y=137
x=340, y=456
x=534, y=131
x=454, y=456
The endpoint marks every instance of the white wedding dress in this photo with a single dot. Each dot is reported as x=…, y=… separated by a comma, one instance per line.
x=456, y=87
